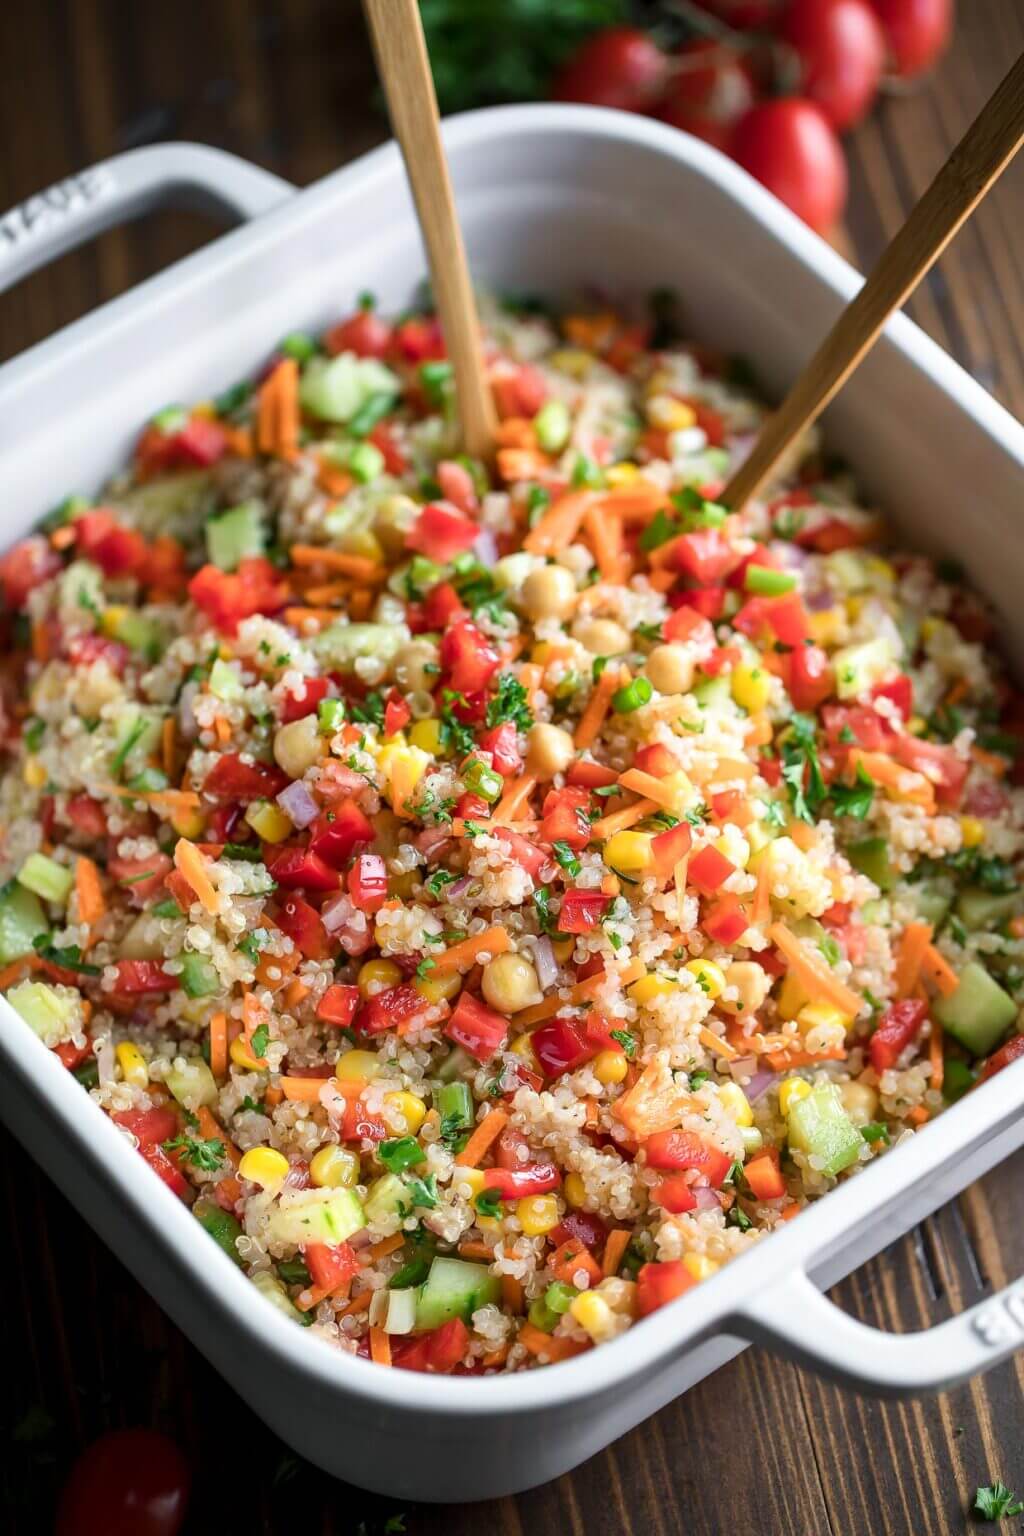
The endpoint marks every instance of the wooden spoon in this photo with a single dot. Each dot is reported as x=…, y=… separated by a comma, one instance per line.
x=404, y=68
x=977, y=162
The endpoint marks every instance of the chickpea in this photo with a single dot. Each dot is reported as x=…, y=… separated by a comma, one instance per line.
x=395, y=516
x=411, y=664
x=601, y=637
x=670, y=668
x=752, y=983
x=860, y=1101
x=510, y=983
x=298, y=746
x=549, y=750
x=549, y=592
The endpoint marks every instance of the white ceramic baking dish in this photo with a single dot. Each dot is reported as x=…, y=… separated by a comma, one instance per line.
x=551, y=198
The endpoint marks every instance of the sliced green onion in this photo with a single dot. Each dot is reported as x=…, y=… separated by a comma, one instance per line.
x=768, y=583
x=636, y=693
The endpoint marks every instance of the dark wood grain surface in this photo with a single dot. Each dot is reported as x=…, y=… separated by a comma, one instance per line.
x=760, y=1449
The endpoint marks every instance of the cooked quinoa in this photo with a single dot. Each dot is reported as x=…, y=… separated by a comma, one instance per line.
x=493, y=899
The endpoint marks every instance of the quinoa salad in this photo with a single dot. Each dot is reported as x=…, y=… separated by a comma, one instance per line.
x=495, y=897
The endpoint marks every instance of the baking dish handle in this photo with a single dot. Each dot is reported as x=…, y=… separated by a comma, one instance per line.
x=793, y=1318
x=124, y=187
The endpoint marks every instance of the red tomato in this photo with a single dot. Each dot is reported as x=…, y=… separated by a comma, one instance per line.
x=232, y=779
x=562, y=1045
x=363, y=333
x=674, y=1194
x=392, y=1006
x=478, y=1029
x=916, y=32
x=368, y=882
x=24, y=567
x=383, y=438
x=706, y=555
x=527, y=1179
x=709, y=870
x=295, y=706
x=132, y=1482
x=657, y=1284
x=441, y=606
x=582, y=911
x=500, y=742
x=87, y=816
x=810, y=679
x=940, y=764
x=656, y=760
x=101, y=538
x=330, y=1264
x=150, y=1127
x=617, y=67
x=227, y=597
x=166, y=1171
x=711, y=89
x=523, y=851
x=141, y=878
x=441, y=532
x=726, y=921
x=841, y=50
x=302, y=868
x=899, y=1024
x=468, y=659
x=564, y=818
x=789, y=146
x=137, y=977
x=335, y=836
x=669, y=847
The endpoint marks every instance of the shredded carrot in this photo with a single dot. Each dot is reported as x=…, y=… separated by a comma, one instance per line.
x=493, y=941
x=904, y=784
x=222, y=728
x=302, y=1090
x=936, y=1057
x=716, y=1045
x=385, y=1246
x=488, y=1131
x=913, y=946
x=336, y=482
x=168, y=745
x=662, y=581
x=277, y=410
x=785, y=1061
x=358, y=567
x=918, y=1115
x=273, y=1095
x=512, y=1294
x=299, y=617
x=17, y=969
x=605, y=535
x=591, y=333
x=611, y=885
x=636, y=501
x=584, y=990
x=473, y=1249
x=91, y=905
x=193, y=865
x=813, y=973
x=560, y=524
x=614, y=1248
x=41, y=642
x=239, y=440
x=64, y=537
x=960, y=689
x=294, y=993
x=803, y=835
x=1016, y=927
x=219, y=1045
x=598, y=705
x=789, y=1211
x=380, y=1346
x=495, y=1357
x=664, y=794
x=758, y=732
x=515, y=432
x=937, y=969
x=547, y=1344
x=521, y=463
x=538, y=1012
x=995, y=764
x=360, y=1303
x=283, y=965
x=531, y=676
x=514, y=800
x=618, y=821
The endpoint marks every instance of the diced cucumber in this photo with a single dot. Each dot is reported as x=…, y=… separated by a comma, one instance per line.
x=198, y=976
x=269, y=1286
x=933, y=901
x=334, y=388
x=224, y=1228
x=455, y=1288
x=386, y=1197
x=820, y=1126
x=51, y=1012
x=22, y=920
x=713, y=693
x=136, y=737
x=193, y=1084
x=978, y=1013
x=340, y=645
x=553, y=424
x=455, y=1064
x=225, y=682
x=47, y=878
x=236, y=535
x=401, y=1313
x=315, y=1216
x=977, y=908
x=871, y=857
x=139, y=634
x=859, y=667
x=174, y=504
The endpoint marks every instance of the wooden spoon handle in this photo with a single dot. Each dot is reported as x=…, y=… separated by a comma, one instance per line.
x=978, y=160
x=404, y=66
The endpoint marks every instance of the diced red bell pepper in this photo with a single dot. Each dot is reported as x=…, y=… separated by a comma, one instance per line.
x=200, y=442
x=674, y=1194
x=899, y=692
x=357, y=1124
x=70, y=1055
x=419, y=340
x=520, y=391
x=656, y=760
x=764, y=1176
x=722, y=659
x=228, y=597
x=457, y=486
x=787, y=618
x=397, y=713
x=140, y=879
x=1012, y=1051
x=809, y=677
x=834, y=534
x=392, y=1006
x=525, y=853
x=865, y=725
x=472, y=807
x=85, y=649
x=164, y=570
x=87, y=816
x=301, y=869
x=468, y=659
x=530, y=1179
x=667, y=848
x=725, y=921
x=25, y=566
x=295, y=706
x=708, y=602
x=899, y=1025
x=584, y=775
x=563, y=817
x=150, y=1127
x=708, y=870
x=470, y=708
x=686, y=623
x=330, y=1265
x=500, y=742
x=138, y=977
x=478, y=1029
x=335, y=836
x=117, y=550
x=752, y=618
x=383, y=438
x=232, y=779
x=442, y=606
x=940, y=764
x=512, y=1150
x=706, y=555
x=710, y=422
x=339, y=1005
x=180, y=889
x=658, y=1284
x=363, y=333
x=684, y=1149
x=303, y=925
x=439, y=1351
x=441, y=532
x=582, y=911
x=562, y=1045
x=367, y=882
x=165, y=1170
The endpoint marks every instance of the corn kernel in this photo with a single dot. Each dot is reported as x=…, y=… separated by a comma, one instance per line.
x=629, y=852
x=620, y=474
x=541, y=653
x=438, y=989
x=700, y=1266
x=594, y=1315
x=917, y=725
x=189, y=823
x=475, y=1178
x=972, y=831
x=522, y=1046
x=751, y=686
x=357, y=1066
x=334, y=1168
x=822, y=1015
x=490, y=1223
x=573, y=361
x=853, y=606
x=791, y=998
x=649, y=987
x=269, y=821
x=880, y=571
x=426, y=734
x=377, y=976
x=562, y=949
x=575, y=1191
x=132, y=1063
x=826, y=627
x=263, y=1166
x=34, y=774
x=610, y=1067
x=537, y=1214
x=242, y=1056
x=411, y=1108
x=670, y=415
x=112, y=618
x=791, y=1092
x=737, y=1103
x=709, y=976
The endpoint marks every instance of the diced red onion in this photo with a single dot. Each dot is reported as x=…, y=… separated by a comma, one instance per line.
x=545, y=962
x=459, y=888
x=298, y=804
x=706, y=1198
x=186, y=714
x=759, y=1084
x=336, y=913
x=486, y=547
x=821, y=602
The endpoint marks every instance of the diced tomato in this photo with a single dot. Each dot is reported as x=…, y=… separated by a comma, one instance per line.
x=940, y=764
x=708, y=602
x=384, y=440
x=582, y=1227
x=232, y=779
x=25, y=566
x=363, y=333
x=85, y=649
x=441, y=532
x=301, y=869
x=563, y=817
x=200, y=441
x=837, y=915
x=656, y=760
x=763, y=1175
x=442, y=606
x=150, y=1127
x=469, y=708
x=519, y=392
x=710, y=422
x=787, y=618
x=357, y=1124
x=143, y=976
x=368, y=882
x=674, y=1194
x=339, y=1005
x=667, y=848
x=336, y=835
x=229, y=597
x=899, y=1025
x=865, y=725
x=500, y=742
x=685, y=623
x=478, y=1029
x=164, y=570
x=582, y=911
x=457, y=486
x=472, y=807
x=684, y=1149
x=1012, y=1051
x=529, y=1179
x=468, y=659
x=706, y=555
x=899, y=692
x=525, y=853
x=296, y=706
x=330, y=1265
x=70, y=1055
x=419, y=340
x=725, y=921
x=809, y=677
x=141, y=879
x=165, y=1170
x=225, y=825
x=752, y=618
x=303, y=925
x=722, y=659
x=708, y=870
x=87, y=816
x=562, y=1045
x=180, y=889
x=591, y=775
x=117, y=550
x=446, y=1346
x=395, y=1005
x=658, y=1284
x=835, y=534
x=397, y=713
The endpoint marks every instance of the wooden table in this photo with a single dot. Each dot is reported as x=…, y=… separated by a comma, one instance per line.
x=761, y=1449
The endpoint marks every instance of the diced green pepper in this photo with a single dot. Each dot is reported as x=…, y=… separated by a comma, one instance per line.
x=222, y=1227
x=957, y=1078
x=871, y=857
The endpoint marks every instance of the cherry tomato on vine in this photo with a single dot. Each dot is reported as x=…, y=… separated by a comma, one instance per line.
x=711, y=90
x=790, y=148
x=619, y=67
x=916, y=32
x=133, y=1482
x=841, y=51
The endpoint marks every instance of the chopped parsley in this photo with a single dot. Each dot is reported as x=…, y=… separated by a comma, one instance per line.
x=737, y=1217
x=33, y=734
x=438, y=880
x=456, y=736
x=830, y=949
x=425, y=967
x=370, y=711
x=774, y=815
x=801, y=770
x=251, y=853
x=488, y=1203
x=698, y=1079
x=876, y=1131
x=423, y=1191
x=997, y=1502
x=260, y=1041
x=854, y=799
x=542, y=907
x=135, y=735
x=254, y=1106
x=627, y=1041
x=250, y=944
x=567, y=859
x=207, y=1155
x=69, y=958
x=509, y=703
